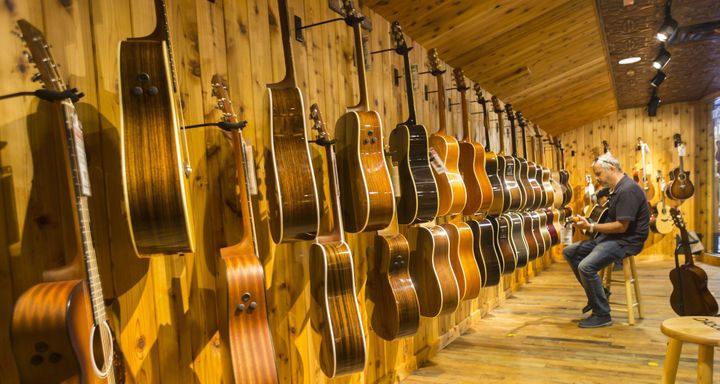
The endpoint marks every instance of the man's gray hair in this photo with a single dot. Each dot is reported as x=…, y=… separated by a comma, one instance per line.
x=607, y=160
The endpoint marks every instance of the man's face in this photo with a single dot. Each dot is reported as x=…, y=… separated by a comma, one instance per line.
x=601, y=174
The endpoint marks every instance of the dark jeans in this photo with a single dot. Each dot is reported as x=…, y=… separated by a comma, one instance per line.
x=586, y=259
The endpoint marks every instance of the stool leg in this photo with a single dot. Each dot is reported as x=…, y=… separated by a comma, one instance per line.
x=636, y=284
x=705, y=364
x=607, y=276
x=672, y=358
x=628, y=291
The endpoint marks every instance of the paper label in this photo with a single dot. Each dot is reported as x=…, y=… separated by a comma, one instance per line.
x=437, y=163
x=73, y=123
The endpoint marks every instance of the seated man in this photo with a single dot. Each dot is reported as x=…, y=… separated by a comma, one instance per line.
x=623, y=233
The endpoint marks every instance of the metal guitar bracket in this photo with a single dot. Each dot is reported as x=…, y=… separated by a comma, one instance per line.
x=450, y=103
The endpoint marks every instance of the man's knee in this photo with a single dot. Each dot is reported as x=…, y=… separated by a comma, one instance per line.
x=569, y=251
x=587, y=268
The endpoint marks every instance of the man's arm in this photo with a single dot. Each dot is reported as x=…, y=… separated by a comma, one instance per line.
x=614, y=227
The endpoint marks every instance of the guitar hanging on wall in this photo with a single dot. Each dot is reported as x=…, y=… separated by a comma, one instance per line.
x=155, y=158
x=641, y=175
x=661, y=221
x=680, y=186
x=248, y=328
x=59, y=329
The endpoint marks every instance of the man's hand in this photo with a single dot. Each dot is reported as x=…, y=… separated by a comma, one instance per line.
x=581, y=223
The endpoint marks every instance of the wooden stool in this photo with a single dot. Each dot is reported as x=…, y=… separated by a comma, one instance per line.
x=701, y=330
x=631, y=284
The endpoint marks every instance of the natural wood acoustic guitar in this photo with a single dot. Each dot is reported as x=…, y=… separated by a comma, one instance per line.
x=462, y=259
x=155, y=165
x=641, y=174
x=368, y=202
x=512, y=195
x=59, y=329
x=521, y=166
x=336, y=313
x=291, y=189
x=410, y=152
x=453, y=196
x=680, y=186
x=494, y=202
x=487, y=253
x=246, y=323
x=548, y=191
x=661, y=221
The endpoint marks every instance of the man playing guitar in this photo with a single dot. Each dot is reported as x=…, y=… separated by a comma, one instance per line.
x=623, y=234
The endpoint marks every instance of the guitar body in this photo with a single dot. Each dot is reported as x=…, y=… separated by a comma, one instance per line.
x=462, y=259
x=336, y=314
x=566, y=187
x=397, y=312
x=452, y=195
x=518, y=240
x=542, y=245
x=418, y=191
x=534, y=180
x=548, y=189
x=531, y=234
x=662, y=222
x=696, y=299
x=477, y=182
x=524, y=182
x=647, y=187
x=503, y=242
x=487, y=254
x=558, y=192
x=291, y=190
x=598, y=213
x=513, y=195
x=431, y=271
x=495, y=176
x=154, y=180
x=553, y=224
x=544, y=231
x=368, y=202
x=50, y=334
x=244, y=275
x=680, y=186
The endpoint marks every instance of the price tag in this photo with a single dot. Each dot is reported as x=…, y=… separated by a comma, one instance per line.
x=76, y=132
x=250, y=169
x=681, y=150
x=436, y=161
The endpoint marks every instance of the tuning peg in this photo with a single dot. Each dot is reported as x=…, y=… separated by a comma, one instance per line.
x=27, y=55
x=220, y=104
x=36, y=77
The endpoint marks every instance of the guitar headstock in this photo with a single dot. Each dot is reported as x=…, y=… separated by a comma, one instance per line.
x=606, y=146
x=520, y=119
x=323, y=137
x=588, y=179
x=39, y=55
x=352, y=17
x=434, y=61
x=220, y=91
x=677, y=218
x=510, y=113
x=496, y=104
x=459, y=76
x=537, y=132
x=399, y=38
x=661, y=180
x=479, y=94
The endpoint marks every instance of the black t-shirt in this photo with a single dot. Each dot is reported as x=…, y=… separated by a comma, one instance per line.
x=628, y=203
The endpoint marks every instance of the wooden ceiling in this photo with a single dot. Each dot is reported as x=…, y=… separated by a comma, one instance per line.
x=547, y=57
x=693, y=71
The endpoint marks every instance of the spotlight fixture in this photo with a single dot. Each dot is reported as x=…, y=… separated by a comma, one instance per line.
x=661, y=59
x=653, y=104
x=658, y=79
x=629, y=60
x=667, y=30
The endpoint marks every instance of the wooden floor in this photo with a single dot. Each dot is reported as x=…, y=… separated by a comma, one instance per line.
x=534, y=338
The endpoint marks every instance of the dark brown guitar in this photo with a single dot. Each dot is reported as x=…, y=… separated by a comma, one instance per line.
x=512, y=196
x=59, y=329
x=680, y=187
x=368, y=203
x=521, y=166
x=390, y=287
x=495, y=203
x=152, y=144
x=564, y=177
x=548, y=192
x=487, y=254
x=690, y=295
x=336, y=313
x=409, y=148
x=291, y=190
x=453, y=196
x=247, y=325
x=534, y=172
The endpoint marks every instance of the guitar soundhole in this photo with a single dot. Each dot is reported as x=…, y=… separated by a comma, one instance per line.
x=36, y=360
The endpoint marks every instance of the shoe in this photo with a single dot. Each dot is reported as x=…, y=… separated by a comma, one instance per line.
x=588, y=308
x=595, y=321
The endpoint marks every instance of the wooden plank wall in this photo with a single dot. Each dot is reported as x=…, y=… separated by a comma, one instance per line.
x=165, y=309
x=621, y=129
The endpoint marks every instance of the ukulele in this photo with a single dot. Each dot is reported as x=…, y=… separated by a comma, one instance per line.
x=494, y=203
x=291, y=190
x=472, y=159
x=336, y=313
x=680, y=186
x=661, y=221
x=155, y=179
x=444, y=156
x=368, y=203
x=409, y=148
x=59, y=329
x=690, y=295
x=246, y=307
x=641, y=175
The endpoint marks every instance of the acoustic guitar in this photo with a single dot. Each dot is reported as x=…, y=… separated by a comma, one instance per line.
x=494, y=204
x=155, y=165
x=540, y=228
x=534, y=172
x=390, y=287
x=548, y=191
x=661, y=221
x=487, y=254
x=641, y=175
x=291, y=190
x=521, y=165
x=690, y=295
x=247, y=325
x=431, y=270
x=368, y=203
x=564, y=176
x=409, y=148
x=512, y=195
x=588, y=194
x=59, y=329
x=336, y=313
x=680, y=186
x=445, y=155
x=559, y=191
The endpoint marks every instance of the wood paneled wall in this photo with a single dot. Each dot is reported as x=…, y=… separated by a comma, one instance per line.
x=621, y=129
x=165, y=309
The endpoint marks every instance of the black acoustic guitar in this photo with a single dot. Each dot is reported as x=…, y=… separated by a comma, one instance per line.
x=680, y=187
x=410, y=151
x=690, y=295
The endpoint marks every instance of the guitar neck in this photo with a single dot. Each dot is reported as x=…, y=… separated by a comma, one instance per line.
x=289, y=79
x=409, y=87
x=248, y=238
x=362, y=106
x=442, y=104
x=486, y=123
x=336, y=233
x=524, y=141
x=501, y=129
x=685, y=238
x=465, y=115
x=513, y=138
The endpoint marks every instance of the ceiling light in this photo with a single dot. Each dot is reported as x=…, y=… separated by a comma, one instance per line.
x=653, y=104
x=658, y=79
x=661, y=59
x=629, y=60
x=667, y=29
